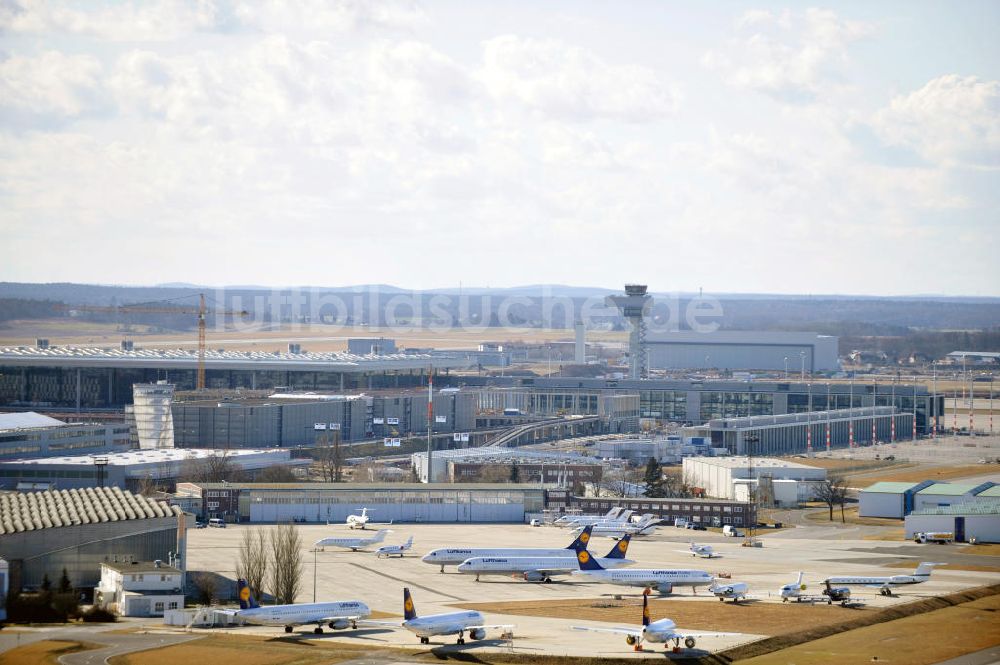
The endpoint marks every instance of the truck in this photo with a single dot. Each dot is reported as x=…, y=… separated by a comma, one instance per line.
x=940, y=537
x=731, y=531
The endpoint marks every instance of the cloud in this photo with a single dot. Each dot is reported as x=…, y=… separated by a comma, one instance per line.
x=50, y=88
x=791, y=57
x=569, y=82
x=952, y=120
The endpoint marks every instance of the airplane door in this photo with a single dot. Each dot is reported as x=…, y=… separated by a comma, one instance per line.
x=960, y=529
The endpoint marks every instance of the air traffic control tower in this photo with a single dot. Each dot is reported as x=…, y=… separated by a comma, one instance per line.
x=635, y=306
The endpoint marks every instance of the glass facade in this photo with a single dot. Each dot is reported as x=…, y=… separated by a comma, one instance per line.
x=663, y=404
x=715, y=404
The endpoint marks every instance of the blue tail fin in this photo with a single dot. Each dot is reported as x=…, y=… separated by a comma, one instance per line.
x=582, y=540
x=620, y=548
x=247, y=601
x=645, y=607
x=409, y=612
x=586, y=561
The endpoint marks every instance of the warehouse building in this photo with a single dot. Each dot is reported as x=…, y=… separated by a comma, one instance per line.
x=43, y=532
x=468, y=464
x=798, y=433
x=699, y=401
x=103, y=378
x=666, y=450
x=306, y=419
x=719, y=476
x=743, y=350
x=28, y=435
x=132, y=469
x=888, y=499
x=973, y=520
x=618, y=410
x=397, y=502
x=942, y=495
x=708, y=512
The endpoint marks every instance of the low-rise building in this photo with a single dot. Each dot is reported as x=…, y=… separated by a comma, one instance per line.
x=939, y=495
x=978, y=520
x=717, y=475
x=709, y=512
x=140, y=588
x=889, y=499
x=468, y=464
x=33, y=435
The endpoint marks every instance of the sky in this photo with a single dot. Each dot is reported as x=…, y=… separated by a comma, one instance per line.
x=734, y=147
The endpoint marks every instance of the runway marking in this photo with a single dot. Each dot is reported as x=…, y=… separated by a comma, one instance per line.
x=407, y=582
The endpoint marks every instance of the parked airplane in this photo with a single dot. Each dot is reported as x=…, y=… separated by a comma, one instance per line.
x=453, y=556
x=359, y=521
x=662, y=579
x=577, y=519
x=704, y=551
x=885, y=584
x=394, y=550
x=734, y=590
x=353, y=544
x=338, y=615
x=645, y=526
x=449, y=623
x=662, y=630
x=623, y=517
x=541, y=569
x=829, y=594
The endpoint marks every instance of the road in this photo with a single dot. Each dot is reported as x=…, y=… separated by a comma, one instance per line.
x=117, y=643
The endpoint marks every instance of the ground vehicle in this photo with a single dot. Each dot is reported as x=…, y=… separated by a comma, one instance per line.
x=731, y=531
x=941, y=537
x=536, y=523
x=694, y=526
x=680, y=522
x=216, y=522
x=200, y=525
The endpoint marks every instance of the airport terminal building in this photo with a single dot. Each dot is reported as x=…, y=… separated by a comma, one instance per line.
x=743, y=350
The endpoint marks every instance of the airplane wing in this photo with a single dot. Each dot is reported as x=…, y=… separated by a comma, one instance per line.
x=494, y=626
x=635, y=632
x=376, y=622
x=339, y=618
x=698, y=633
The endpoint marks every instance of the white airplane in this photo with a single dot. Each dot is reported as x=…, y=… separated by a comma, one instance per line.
x=338, y=615
x=622, y=518
x=734, y=590
x=885, y=584
x=662, y=579
x=394, y=550
x=794, y=591
x=540, y=569
x=353, y=544
x=450, y=556
x=644, y=527
x=359, y=521
x=577, y=519
x=448, y=623
x=662, y=630
x=704, y=551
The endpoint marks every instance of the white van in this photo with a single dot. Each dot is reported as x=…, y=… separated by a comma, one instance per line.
x=216, y=522
x=680, y=522
x=731, y=531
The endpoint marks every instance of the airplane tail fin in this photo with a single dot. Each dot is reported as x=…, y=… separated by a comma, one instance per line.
x=620, y=548
x=247, y=601
x=586, y=561
x=798, y=581
x=645, y=607
x=409, y=542
x=409, y=612
x=582, y=540
x=380, y=536
x=925, y=569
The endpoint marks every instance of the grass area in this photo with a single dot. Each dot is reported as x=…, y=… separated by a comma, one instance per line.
x=746, y=617
x=44, y=652
x=245, y=650
x=850, y=517
x=916, y=640
x=986, y=549
x=938, y=473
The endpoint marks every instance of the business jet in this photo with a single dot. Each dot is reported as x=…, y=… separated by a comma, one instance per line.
x=621, y=518
x=661, y=631
x=359, y=521
x=448, y=623
x=662, y=579
x=829, y=595
x=576, y=520
x=885, y=584
x=337, y=615
x=541, y=569
x=394, y=550
x=734, y=590
x=450, y=556
x=645, y=526
x=353, y=544
x=704, y=551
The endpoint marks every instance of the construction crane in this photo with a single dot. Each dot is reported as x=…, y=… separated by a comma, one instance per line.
x=157, y=307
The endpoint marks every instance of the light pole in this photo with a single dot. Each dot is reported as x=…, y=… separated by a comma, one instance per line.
x=802, y=376
x=315, y=549
x=786, y=367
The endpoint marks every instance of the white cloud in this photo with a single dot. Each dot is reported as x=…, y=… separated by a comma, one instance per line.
x=570, y=82
x=950, y=120
x=50, y=87
x=791, y=57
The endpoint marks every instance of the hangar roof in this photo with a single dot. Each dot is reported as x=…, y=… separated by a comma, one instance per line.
x=885, y=487
x=30, y=511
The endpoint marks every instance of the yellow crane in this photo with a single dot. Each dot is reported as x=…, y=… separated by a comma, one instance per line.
x=157, y=307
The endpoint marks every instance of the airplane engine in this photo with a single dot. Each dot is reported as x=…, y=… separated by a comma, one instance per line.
x=477, y=633
x=663, y=587
x=631, y=640
x=533, y=576
x=340, y=624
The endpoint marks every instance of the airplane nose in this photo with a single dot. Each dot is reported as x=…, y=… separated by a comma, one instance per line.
x=426, y=558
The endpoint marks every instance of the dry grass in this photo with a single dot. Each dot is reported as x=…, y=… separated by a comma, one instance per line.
x=917, y=640
x=244, y=650
x=986, y=549
x=850, y=517
x=887, y=534
x=746, y=617
x=938, y=473
x=44, y=652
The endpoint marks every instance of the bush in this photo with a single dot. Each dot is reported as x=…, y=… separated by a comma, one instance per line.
x=99, y=615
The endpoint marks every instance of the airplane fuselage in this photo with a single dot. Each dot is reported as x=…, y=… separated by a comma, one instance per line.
x=450, y=623
x=455, y=556
x=511, y=565
x=304, y=613
x=663, y=579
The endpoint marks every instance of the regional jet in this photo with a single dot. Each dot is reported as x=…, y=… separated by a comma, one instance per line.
x=662, y=579
x=541, y=569
x=353, y=544
x=337, y=615
x=452, y=556
x=885, y=584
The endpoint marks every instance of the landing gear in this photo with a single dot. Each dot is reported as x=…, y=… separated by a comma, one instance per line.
x=689, y=642
x=548, y=580
x=288, y=629
x=722, y=600
x=425, y=640
x=354, y=625
x=442, y=569
x=318, y=630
